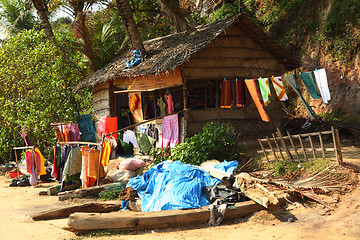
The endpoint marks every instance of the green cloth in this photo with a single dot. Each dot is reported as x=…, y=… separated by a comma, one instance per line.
x=291, y=79
x=73, y=163
x=162, y=106
x=144, y=141
x=310, y=84
x=265, y=90
x=127, y=147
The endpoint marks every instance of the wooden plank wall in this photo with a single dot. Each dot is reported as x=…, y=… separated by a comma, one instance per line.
x=232, y=54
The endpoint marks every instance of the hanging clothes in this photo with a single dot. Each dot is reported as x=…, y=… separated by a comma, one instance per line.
x=310, y=84
x=152, y=131
x=58, y=134
x=66, y=131
x=26, y=139
x=42, y=163
x=279, y=88
x=145, y=142
x=73, y=164
x=106, y=151
x=74, y=132
x=169, y=103
x=129, y=136
x=55, y=173
x=93, y=167
x=265, y=90
x=226, y=99
x=162, y=106
x=322, y=83
x=251, y=85
x=240, y=93
x=142, y=127
x=32, y=158
x=113, y=145
x=170, y=131
x=86, y=128
x=111, y=126
x=133, y=100
x=291, y=79
x=84, y=166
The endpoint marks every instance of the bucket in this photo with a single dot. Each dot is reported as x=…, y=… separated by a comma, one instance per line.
x=14, y=174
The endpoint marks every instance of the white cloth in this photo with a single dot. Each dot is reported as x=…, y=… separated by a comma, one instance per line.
x=279, y=88
x=129, y=136
x=322, y=83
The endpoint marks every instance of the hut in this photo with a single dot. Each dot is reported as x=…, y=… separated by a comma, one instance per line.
x=191, y=65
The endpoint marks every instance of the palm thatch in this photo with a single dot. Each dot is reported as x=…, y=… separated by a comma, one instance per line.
x=165, y=53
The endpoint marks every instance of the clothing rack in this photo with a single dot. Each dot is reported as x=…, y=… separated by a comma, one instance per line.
x=60, y=123
x=16, y=158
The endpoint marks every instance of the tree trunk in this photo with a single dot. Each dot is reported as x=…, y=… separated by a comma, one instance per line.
x=42, y=12
x=131, y=29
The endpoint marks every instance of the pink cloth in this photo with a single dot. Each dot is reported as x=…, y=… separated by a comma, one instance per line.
x=170, y=131
x=32, y=159
x=131, y=164
x=169, y=103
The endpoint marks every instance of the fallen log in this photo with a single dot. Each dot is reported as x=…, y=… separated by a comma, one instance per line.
x=88, y=192
x=129, y=220
x=64, y=212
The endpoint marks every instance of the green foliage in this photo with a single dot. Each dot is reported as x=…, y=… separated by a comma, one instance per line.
x=36, y=90
x=102, y=233
x=336, y=115
x=160, y=154
x=110, y=194
x=226, y=10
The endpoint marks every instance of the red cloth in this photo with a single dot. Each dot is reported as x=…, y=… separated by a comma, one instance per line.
x=226, y=99
x=31, y=158
x=240, y=93
x=111, y=126
x=169, y=103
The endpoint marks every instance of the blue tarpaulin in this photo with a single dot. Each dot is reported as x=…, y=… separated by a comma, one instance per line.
x=227, y=166
x=172, y=185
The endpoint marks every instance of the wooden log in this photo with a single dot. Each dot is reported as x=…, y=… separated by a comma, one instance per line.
x=293, y=145
x=272, y=149
x=129, y=220
x=284, y=144
x=64, y=212
x=312, y=147
x=303, y=148
x=262, y=147
x=322, y=145
x=277, y=145
x=88, y=192
x=51, y=191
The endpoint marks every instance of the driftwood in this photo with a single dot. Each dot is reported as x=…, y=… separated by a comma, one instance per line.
x=129, y=220
x=88, y=192
x=64, y=212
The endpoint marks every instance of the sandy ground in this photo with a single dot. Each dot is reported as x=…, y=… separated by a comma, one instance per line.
x=312, y=221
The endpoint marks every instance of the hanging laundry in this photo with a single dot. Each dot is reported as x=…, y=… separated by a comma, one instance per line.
x=322, y=83
x=42, y=163
x=170, y=131
x=265, y=90
x=72, y=168
x=32, y=158
x=169, y=103
x=152, y=131
x=310, y=84
x=93, y=167
x=65, y=150
x=84, y=167
x=145, y=142
x=74, y=132
x=291, y=79
x=113, y=145
x=55, y=173
x=106, y=151
x=226, y=99
x=133, y=100
x=26, y=138
x=111, y=126
x=86, y=128
x=162, y=106
x=142, y=128
x=59, y=135
x=240, y=93
x=251, y=85
x=279, y=88
x=129, y=136
x=66, y=131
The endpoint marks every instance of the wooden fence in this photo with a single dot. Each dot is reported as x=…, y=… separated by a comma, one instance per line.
x=278, y=144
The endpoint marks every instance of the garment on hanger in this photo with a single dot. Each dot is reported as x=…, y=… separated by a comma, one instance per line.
x=56, y=162
x=265, y=90
x=322, y=83
x=26, y=139
x=170, y=131
x=169, y=103
x=32, y=158
x=42, y=163
x=279, y=88
x=87, y=129
x=84, y=166
x=106, y=152
x=111, y=126
x=152, y=131
x=74, y=132
x=162, y=106
x=144, y=141
x=93, y=167
x=133, y=100
x=226, y=98
x=129, y=136
x=310, y=84
x=73, y=164
x=66, y=133
x=113, y=145
x=240, y=93
x=142, y=127
x=251, y=85
x=291, y=79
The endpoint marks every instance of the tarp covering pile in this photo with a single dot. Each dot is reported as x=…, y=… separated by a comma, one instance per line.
x=174, y=185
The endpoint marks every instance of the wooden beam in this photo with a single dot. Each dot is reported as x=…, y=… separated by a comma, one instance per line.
x=88, y=192
x=312, y=147
x=284, y=144
x=262, y=147
x=278, y=146
x=303, y=148
x=322, y=145
x=271, y=147
x=301, y=135
x=293, y=145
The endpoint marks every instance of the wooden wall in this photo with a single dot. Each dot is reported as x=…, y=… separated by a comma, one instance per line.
x=232, y=54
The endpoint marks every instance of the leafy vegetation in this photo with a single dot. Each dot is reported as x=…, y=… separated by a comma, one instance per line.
x=110, y=194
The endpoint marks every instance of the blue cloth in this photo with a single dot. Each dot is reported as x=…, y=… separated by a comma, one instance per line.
x=87, y=129
x=227, y=166
x=136, y=59
x=172, y=185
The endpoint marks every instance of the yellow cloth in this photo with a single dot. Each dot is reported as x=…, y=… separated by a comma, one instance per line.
x=106, y=153
x=42, y=163
x=133, y=99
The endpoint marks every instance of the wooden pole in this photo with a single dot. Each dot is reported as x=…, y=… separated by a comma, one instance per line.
x=312, y=147
x=271, y=147
x=262, y=147
x=303, y=148
x=337, y=147
x=17, y=163
x=99, y=163
x=335, y=143
x=322, y=145
x=293, y=145
x=277, y=145
x=284, y=144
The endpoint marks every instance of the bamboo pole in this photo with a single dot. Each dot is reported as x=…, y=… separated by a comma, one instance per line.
x=303, y=148
x=335, y=144
x=277, y=145
x=271, y=147
x=262, y=147
x=337, y=147
x=17, y=163
x=284, y=144
x=322, y=145
x=312, y=147
x=293, y=145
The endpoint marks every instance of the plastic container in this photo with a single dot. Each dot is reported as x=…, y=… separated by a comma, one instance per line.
x=14, y=174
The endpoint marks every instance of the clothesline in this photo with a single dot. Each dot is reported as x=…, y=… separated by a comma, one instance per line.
x=81, y=143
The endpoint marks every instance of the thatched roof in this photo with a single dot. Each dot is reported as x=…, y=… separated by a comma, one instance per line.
x=165, y=53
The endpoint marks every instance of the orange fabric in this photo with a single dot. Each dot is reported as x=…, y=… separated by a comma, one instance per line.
x=251, y=85
x=226, y=100
x=93, y=167
x=111, y=126
x=66, y=134
x=133, y=99
x=85, y=165
x=106, y=153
